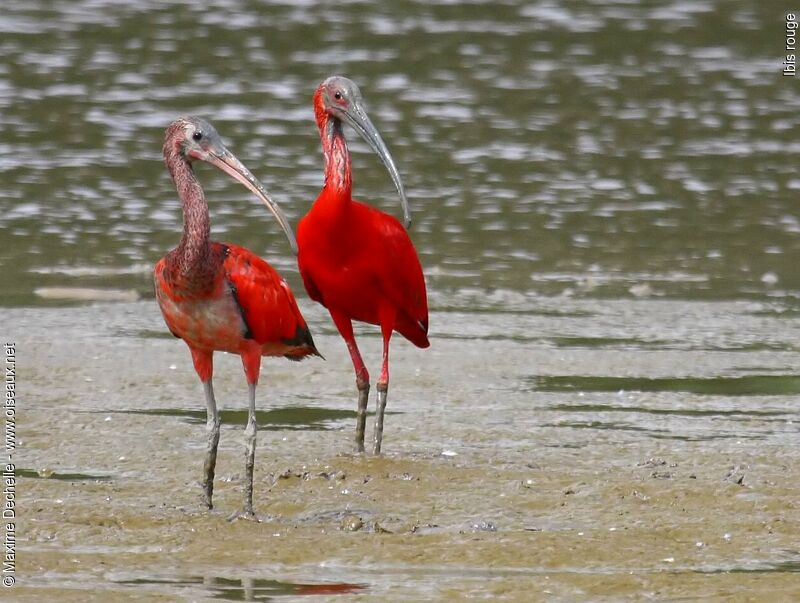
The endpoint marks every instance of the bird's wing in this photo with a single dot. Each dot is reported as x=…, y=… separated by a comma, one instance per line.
x=311, y=287
x=401, y=276
x=268, y=307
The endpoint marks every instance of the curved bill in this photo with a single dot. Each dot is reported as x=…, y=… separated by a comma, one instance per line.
x=228, y=163
x=356, y=117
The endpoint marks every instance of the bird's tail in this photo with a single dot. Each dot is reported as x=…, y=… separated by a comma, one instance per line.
x=301, y=345
x=416, y=331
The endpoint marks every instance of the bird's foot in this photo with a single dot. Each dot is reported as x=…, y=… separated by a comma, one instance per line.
x=207, y=496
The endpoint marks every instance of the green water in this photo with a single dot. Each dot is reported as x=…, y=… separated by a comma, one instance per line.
x=603, y=149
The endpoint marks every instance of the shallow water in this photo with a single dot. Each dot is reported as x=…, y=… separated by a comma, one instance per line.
x=552, y=471
x=603, y=200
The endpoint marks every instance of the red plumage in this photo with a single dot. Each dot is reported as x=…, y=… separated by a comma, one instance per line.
x=354, y=259
x=244, y=302
x=359, y=261
x=222, y=297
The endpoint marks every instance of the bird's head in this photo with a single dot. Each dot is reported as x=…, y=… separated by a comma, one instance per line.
x=195, y=139
x=341, y=99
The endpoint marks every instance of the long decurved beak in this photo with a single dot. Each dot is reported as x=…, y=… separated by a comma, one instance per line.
x=228, y=163
x=356, y=117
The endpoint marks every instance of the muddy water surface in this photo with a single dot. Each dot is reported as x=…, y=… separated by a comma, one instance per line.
x=652, y=458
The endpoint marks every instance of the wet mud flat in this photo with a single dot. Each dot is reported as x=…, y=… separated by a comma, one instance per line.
x=542, y=449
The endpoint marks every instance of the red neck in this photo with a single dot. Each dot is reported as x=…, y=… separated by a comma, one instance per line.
x=338, y=179
x=192, y=253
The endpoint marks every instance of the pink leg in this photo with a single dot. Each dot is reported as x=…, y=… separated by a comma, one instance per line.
x=204, y=365
x=345, y=327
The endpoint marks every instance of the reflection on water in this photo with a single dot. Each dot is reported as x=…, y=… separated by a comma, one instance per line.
x=601, y=149
x=295, y=417
x=245, y=589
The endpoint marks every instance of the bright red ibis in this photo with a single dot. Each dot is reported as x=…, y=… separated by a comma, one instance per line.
x=355, y=260
x=222, y=297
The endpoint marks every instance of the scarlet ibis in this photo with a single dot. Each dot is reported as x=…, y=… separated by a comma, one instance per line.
x=354, y=259
x=222, y=297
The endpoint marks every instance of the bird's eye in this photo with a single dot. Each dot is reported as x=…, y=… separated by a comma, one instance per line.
x=197, y=135
x=337, y=95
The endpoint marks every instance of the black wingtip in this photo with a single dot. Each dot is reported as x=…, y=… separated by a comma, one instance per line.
x=303, y=344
